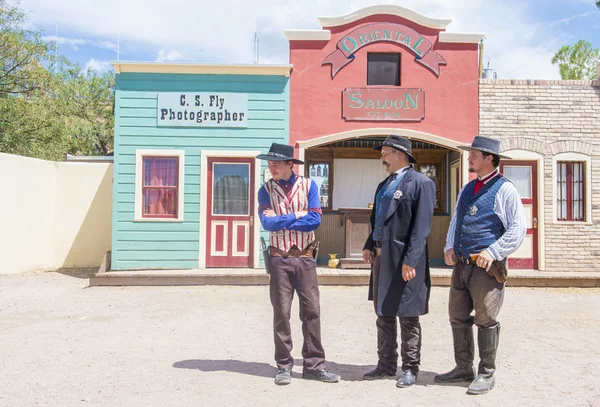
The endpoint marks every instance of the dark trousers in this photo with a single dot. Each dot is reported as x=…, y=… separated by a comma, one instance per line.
x=471, y=288
x=387, y=335
x=299, y=274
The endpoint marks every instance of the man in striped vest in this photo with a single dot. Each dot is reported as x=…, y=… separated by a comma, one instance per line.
x=487, y=226
x=289, y=209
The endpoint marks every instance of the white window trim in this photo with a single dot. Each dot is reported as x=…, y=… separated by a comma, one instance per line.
x=139, y=155
x=588, y=186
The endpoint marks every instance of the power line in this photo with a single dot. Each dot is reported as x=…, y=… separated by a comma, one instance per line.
x=551, y=39
x=504, y=19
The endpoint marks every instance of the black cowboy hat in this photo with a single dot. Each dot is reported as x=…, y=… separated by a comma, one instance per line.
x=280, y=152
x=486, y=145
x=399, y=143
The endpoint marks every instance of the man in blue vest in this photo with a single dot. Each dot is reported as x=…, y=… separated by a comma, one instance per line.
x=487, y=226
x=397, y=247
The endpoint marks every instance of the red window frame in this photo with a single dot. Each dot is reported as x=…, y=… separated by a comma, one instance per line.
x=570, y=186
x=151, y=187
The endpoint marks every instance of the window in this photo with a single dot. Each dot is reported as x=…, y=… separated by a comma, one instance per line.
x=231, y=189
x=320, y=173
x=383, y=69
x=570, y=191
x=159, y=188
x=435, y=172
x=159, y=185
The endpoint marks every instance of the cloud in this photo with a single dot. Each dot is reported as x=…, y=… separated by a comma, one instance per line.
x=223, y=32
x=98, y=66
x=74, y=43
x=165, y=55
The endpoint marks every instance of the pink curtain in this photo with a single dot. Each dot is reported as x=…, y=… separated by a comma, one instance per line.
x=160, y=172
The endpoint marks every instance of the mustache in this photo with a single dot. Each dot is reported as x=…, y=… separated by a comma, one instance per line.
x=384, y=163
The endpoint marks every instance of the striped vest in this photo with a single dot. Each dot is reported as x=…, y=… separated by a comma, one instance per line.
x=284, y=239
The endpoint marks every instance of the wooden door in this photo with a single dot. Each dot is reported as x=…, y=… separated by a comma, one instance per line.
x=523, y=175
x=230, y=212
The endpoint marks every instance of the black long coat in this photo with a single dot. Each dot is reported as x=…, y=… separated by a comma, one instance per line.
x=407, y=225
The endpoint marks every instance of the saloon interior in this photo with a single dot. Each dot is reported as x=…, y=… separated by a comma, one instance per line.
x=347, y=173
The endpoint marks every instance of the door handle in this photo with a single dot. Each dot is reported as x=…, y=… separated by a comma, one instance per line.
x=535, y=223
x=251, y=220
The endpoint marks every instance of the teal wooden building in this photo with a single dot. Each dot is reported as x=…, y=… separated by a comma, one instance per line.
x=185, y=173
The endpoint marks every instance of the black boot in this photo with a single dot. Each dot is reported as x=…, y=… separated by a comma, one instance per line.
x=464, y=349
x=487, y=339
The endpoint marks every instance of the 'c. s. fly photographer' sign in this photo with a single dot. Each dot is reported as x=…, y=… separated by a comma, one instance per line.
x=202, y=109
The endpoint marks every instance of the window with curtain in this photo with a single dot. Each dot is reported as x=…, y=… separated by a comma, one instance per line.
x=231, y=189
x=160, y=187
x=570, y=189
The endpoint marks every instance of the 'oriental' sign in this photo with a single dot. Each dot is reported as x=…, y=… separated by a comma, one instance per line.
x=383, y=104
x=390, y=32
x=202, y=109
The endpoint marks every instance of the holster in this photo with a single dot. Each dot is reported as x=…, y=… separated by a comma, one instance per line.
x=266, y=255
x=316, y=250
x=498, y=271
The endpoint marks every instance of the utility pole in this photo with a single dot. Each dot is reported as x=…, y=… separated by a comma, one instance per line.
x=481, y=58
x=256, y=48
x=56, y=50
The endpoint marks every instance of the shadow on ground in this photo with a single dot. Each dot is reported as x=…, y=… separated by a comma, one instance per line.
x=82, y=273
x=349, y=373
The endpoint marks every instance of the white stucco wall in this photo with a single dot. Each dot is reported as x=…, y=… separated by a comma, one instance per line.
x=53, y=214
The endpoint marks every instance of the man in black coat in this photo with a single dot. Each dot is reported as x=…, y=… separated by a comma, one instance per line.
x=397, y=248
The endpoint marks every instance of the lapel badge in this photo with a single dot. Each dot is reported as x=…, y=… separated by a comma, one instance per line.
x=473, y=210
x=397, y=194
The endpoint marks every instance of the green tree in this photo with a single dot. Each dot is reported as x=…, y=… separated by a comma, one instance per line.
x=48, y=106
x=86, y=103
x=579, y=61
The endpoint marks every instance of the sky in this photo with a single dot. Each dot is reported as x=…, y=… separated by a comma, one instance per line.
x=521, y=35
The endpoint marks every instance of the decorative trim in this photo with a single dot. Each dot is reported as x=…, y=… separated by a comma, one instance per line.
x=139, y=155
x=540, y=82
x=588, y=186
x=571, y=146
x=389, y=9
x=204, y=155
x=410, y=134
x=523, y=144
x=213, y=233
x=307, y=35
x=206, y=69
x=461, y=38
x=235, y=237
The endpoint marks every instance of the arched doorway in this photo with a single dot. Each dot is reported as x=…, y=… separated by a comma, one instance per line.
x=347, y=170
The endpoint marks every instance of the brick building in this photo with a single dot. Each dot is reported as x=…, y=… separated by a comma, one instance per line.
x=553, y=128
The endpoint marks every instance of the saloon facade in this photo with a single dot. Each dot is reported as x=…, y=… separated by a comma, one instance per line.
x=377, y=71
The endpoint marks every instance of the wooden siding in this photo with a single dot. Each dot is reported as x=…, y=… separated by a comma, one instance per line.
x=175, y=245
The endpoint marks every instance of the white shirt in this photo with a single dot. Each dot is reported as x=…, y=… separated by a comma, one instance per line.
x=509, y=208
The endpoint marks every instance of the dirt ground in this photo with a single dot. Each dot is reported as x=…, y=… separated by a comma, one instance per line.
x=63, y=344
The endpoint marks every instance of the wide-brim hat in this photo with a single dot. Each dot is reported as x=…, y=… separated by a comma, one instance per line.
x=399, y=143
x=280, y=152
x=486, y=145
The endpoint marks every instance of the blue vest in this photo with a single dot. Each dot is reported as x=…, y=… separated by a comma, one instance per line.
x=383, y=200
x=477, y=225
